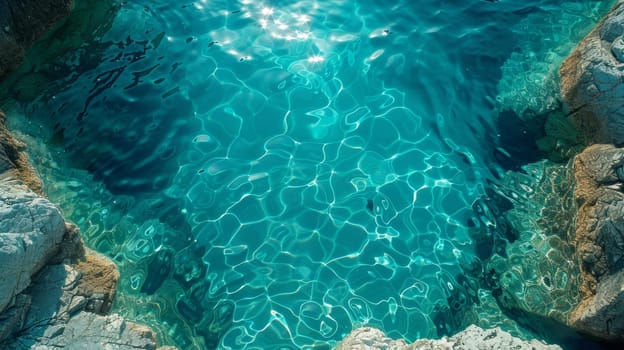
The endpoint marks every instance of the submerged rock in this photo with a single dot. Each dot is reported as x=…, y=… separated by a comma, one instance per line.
x=534, y=278
x=591, y=80
x=529, y=82
x=472, y=338
x=600, y=241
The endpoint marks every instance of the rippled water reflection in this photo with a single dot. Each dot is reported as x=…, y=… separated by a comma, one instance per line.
x=273, y=173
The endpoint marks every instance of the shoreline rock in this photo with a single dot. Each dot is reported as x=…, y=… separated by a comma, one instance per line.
x=71, y=289
x=472, y=338
x=66, y=310
x=599, y=175
x=591, y=80
x=592, y=85
x=56, y=293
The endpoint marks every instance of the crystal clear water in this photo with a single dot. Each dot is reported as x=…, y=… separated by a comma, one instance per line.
x=272, y=174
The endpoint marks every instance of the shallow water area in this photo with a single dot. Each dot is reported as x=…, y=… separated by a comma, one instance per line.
x=272, y=174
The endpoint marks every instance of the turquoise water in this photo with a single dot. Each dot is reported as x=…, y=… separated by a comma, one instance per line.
x=272, y=174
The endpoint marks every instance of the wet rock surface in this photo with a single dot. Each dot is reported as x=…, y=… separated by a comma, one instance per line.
x=591, y=85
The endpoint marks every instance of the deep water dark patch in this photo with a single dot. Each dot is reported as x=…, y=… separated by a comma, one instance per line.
x=517, y=140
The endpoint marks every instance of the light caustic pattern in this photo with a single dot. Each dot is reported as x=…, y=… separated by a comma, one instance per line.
x=321, y=199
x=281, y=171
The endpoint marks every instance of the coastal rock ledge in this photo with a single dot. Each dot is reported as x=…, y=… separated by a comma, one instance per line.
x=599, y=240
x=472, y=338
x=592, y=85
x=591, y=80
x=54, y=292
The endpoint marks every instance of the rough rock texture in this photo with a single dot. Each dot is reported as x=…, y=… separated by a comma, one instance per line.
x=472, y=338
x=14, y=161
x=591, y=80
x=369, y=338
x=599, y=175
x=529, y=83
x=60, y=303
x=31, y=229
x=53, y=294
x=24, y=21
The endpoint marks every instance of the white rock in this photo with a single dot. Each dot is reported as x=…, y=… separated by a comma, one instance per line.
x=472, y=338
x=31, y=229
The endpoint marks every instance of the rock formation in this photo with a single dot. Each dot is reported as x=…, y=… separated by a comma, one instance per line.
x=591, y=80
x=13, y=160
x=24, y=21
x=592, y=84
x=472, y=338
x=599, y=175
x=64, y=311
x=54, y=293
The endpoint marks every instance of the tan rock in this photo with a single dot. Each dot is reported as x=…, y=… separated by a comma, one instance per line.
x=14, y=161
x=599, y=240
x=99, y=278
x=365, y=338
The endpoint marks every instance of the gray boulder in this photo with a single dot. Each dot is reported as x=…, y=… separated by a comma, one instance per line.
x=591, y=80
x=472, y=338
x=599, y=176
x=61, y=312
x=31, y=230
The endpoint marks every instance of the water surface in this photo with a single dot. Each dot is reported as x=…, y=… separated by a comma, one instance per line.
x=272, y=174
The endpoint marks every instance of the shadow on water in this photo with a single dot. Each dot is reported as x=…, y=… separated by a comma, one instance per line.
x=517, y=141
